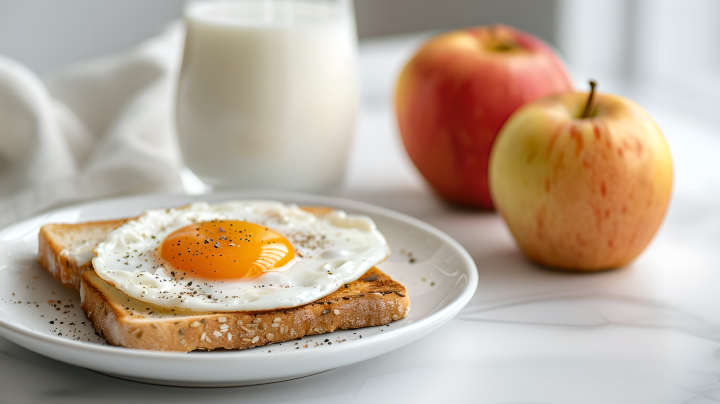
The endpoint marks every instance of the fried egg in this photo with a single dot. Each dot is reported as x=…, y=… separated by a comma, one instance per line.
x=238, y=256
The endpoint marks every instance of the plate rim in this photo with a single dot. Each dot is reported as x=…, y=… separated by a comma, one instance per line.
x=436, y=318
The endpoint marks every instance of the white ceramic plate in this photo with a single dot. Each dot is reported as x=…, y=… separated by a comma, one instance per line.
x=440, y=277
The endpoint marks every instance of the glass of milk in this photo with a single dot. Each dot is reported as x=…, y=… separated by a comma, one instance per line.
x=268, y=93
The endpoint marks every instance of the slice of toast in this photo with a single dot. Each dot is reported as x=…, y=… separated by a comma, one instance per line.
x=59, y=244
x=374, y=299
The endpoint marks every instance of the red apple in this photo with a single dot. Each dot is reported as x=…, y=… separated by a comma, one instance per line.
x=581, y=187
x=454, y=95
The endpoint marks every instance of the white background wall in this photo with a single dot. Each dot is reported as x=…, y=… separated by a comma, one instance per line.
x=671, y=47
x=47, y=34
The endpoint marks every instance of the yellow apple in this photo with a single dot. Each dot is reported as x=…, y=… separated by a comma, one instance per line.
x=581, y=193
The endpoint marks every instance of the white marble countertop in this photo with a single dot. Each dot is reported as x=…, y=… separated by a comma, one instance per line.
x=647, y=333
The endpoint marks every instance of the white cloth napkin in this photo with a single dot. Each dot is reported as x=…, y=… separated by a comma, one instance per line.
x=99, y=129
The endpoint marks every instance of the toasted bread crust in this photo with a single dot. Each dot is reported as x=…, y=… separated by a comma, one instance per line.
x=56, y=240
x=374, y=299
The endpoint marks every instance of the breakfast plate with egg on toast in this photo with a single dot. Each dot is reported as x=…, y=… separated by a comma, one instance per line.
x=226, y=289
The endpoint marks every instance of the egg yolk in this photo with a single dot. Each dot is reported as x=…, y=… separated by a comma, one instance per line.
x=225, y=250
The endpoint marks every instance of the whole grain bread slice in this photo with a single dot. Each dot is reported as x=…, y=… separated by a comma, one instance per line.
x=374, y=299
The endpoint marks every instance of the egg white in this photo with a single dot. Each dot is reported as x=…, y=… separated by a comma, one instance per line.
x=341, y=249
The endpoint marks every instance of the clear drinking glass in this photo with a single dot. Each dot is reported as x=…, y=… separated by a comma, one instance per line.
x=268, y=93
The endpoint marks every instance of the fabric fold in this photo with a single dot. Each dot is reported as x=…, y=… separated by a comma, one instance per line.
x=98, y=129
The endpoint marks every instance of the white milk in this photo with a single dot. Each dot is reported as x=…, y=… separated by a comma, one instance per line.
x=268, y=93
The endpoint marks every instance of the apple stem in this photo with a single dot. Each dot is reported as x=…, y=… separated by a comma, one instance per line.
x=501, y=40
x=590, y=106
